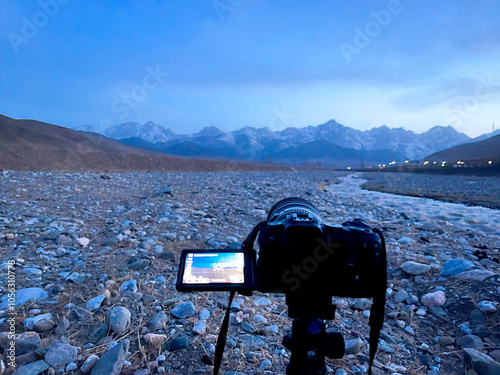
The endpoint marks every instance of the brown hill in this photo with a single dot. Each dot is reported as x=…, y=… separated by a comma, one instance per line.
x=481, y=150
x=35, y=145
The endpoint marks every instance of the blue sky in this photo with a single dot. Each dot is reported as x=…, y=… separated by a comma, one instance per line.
x=234, y=63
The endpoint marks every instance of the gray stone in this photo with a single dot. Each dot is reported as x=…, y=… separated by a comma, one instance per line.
x=160, y=253
x=204, y=314
x=446, y=340
x=385, y=347
x=456, y=266
x=94, y=303
x=71, y=366
x=61, y=354
x=22, y=296
x=34, y=368
x=266, y=365
x=200, y=328
x=262, y=301
x=406, y=240
x=257, y=318
x=89, y=363
x=434, y=299
x=251, y=342
x=183, y=310
x=112, y=361
x=128, y=287
x=353, y=346
x=76, y=278
x=481, y=363
x=32, y=271
x=415, y=268
x=400, y=296
x=159, y=321
x=179, y=343
x=40, y=323
x=475, y=275
x=80, y=313
x=430, y=227
x=470, y=341
x=247, y=327
x=24, y=342
x=99, y=331
x=118, y=319
x=62, y=327
x=488, y=306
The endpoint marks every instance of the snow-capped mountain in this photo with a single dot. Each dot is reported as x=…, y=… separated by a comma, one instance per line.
x=149, y=132
x=262, y=143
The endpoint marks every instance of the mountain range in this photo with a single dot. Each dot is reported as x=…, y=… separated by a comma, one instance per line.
x=330, y=144
x=34, y=145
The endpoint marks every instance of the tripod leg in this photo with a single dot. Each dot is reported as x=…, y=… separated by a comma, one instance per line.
x=307, y=346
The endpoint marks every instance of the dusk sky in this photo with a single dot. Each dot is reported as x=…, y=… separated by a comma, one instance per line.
x=261, y=63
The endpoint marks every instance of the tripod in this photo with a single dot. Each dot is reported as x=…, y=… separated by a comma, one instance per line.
x=309, y=342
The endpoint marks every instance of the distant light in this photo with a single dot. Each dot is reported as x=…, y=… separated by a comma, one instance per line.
x=383, y=165
x=380, y=165
x=347, y=167
x=435, y=162
x=407, y=161
x=426, y=162
x=490, y=162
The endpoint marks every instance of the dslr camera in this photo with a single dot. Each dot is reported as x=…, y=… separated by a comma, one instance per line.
x=309, y=261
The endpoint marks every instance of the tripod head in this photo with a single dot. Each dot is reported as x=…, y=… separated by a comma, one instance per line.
x=309, y=342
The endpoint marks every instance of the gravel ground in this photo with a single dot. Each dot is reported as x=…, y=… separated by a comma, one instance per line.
x=95, y=261
x=480, y=191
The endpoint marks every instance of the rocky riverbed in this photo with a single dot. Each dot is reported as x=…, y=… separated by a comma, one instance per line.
x=469, y=190
x=95, y=262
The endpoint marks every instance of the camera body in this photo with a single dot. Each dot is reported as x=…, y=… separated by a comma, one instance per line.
x=301, y=255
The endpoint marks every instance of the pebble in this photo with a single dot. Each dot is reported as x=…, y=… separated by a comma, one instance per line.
x=94, y=303
x=89, y=363
x=23, y=295
x=200, y=328
x=118, y=319
x=481, y=363
x=60, y=354
x=155, y=339
x=178, y=343
x=488, y=307
x=33, y=368
x=415, y=268
x=204, y=314
x=475, y=275
x=128, y=287
x=455, y=266
x=159, y=321
x=434, y=299
x=112, y=361
x=183, y=310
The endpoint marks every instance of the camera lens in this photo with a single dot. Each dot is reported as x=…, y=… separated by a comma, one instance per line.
x=290, y=206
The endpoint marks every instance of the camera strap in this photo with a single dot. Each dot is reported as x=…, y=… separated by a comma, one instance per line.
x=221, y=340
x=247, y=245
x=377, y=310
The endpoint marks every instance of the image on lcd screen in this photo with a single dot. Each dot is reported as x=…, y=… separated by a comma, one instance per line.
x=208, y=268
